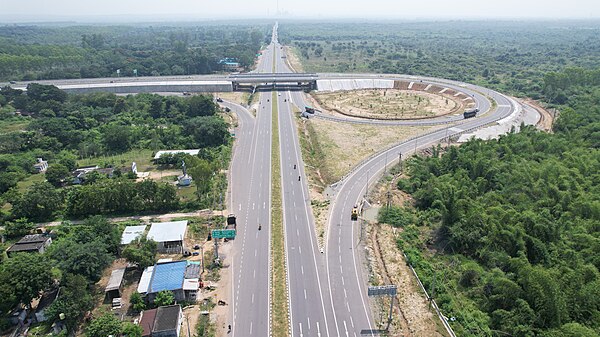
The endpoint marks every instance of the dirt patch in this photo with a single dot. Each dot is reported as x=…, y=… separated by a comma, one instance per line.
x=292, y=60
x=412, y=315
x=546, y=117
x=388, y=104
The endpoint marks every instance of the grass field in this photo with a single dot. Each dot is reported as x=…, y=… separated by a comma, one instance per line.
x=143, y=159
x=7, y=126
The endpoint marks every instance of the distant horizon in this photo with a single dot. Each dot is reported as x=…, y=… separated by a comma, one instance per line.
x=135, y=11
x=186, y=18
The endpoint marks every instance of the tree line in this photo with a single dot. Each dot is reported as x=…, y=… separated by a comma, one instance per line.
x=41, y=52
x=505, y=232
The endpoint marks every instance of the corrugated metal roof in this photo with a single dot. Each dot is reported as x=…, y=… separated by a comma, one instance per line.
x=168, y=276
x=116, y=278
x=191, y=284
x=147, y=321
x=144, y=284
x=167, y=318
x=167, y=231
x=131, y=233
x=192, y=152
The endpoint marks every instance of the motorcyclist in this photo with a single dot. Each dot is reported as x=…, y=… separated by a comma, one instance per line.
x=259, y=226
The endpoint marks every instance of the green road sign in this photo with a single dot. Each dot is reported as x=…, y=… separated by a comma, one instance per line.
x=223, y=233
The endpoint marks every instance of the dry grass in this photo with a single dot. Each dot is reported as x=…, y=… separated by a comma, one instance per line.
x=387, y=103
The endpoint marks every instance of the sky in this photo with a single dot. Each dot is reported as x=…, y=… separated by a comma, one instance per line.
x=163, y=10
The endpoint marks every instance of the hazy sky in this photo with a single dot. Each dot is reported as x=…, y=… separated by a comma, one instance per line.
x=85, y=10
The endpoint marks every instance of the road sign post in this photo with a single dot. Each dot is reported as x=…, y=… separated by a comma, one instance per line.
x=389, y=290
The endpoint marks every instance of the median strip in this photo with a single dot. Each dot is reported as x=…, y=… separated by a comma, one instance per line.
x=279, y=290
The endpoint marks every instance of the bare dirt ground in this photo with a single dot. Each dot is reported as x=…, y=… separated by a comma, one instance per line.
x=388, y=103
x=412, y=315
x=292, y=60
x=547, y=117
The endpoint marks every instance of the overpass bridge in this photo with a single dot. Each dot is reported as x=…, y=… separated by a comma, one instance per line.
x=285, y=81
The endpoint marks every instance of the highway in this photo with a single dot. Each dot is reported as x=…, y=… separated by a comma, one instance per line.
x=250, y=182
x=327, y=289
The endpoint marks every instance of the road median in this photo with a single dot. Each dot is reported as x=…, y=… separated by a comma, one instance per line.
x=279, y=288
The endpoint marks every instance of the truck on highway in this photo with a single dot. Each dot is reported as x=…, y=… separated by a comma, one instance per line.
x=354, y=215
x=309, y=109
x=470, y=113
x=231, y=224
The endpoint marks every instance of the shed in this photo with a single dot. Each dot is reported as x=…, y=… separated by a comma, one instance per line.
x=169, y=236
x=145, y=280
x=147, y=322
x=35, y=243
x=113, y=289
x=132, y=233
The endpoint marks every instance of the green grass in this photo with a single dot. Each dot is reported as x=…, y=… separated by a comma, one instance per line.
x=24, y=184
x=8, y=126
x=279, y=294
x=143, y=159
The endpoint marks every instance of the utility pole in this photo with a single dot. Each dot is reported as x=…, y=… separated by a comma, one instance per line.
x=400, y=161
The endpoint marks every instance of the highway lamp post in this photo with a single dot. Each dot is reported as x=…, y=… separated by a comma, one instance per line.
x=400, y=161
x=385, y=167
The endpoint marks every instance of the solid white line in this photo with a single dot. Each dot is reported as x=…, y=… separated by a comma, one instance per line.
x=305, y=293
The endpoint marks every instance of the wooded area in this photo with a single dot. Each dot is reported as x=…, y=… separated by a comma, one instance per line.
x=505, y=234
x=57, y=52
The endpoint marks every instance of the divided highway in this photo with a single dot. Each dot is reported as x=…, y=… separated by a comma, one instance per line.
x=327, y=288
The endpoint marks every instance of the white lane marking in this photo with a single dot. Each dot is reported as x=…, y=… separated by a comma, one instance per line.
x=250, y=327
x=240, y=208
x=352, y=322
x=345, y=294
x=346, y=328
x=297, y=232
x=319, y=330
x=302, y=269
x=300, y=326
x=305, y=293
x=299, y=249
x=252, y=205
x=252, y=298
x=308, y=319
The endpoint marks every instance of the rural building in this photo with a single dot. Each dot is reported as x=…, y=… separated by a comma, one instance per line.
x=162, y=322
x=180, y=277
x=48, y=297
x=131, y=233
x=113, y=289
x=35, y=243
x=80, y=173
x=40, y=166
x=169, y=236
x=229, y=64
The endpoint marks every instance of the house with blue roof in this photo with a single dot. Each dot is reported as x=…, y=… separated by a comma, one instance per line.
x=180, y=277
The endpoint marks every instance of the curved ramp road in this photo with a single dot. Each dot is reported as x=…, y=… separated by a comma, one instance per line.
x=327, y=288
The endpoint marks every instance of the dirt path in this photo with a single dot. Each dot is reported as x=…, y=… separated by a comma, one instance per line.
x=412, y=314
x=546, y=117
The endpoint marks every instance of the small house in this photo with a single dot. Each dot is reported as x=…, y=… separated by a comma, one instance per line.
x=182, y=278
x=132, y=233
x=35, y=243
x=169, y=236
x=40, y=166
x=163, y=321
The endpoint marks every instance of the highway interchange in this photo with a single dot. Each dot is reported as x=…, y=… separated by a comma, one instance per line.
x=327, y=287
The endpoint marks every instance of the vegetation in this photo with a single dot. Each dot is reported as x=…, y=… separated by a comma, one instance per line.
x=62, y=128
x=505, y=233
x=142, y=252
x=163, y=298
x=505, y=55
x=52, y=52
x=279, y=302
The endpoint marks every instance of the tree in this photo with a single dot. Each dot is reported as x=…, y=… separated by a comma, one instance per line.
x=68, y=159
x=201, y=105
x=26, y=275
x=117, y=138
x=103, y=326
x=201, y=171
x=207, y=131
x=137, y=302
x=141, y=252
x=163, y=298
x=39, y=203
x=18, y=227
x=131, y=330
x=87, y=259
x=74, y=300
x=57, y=174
